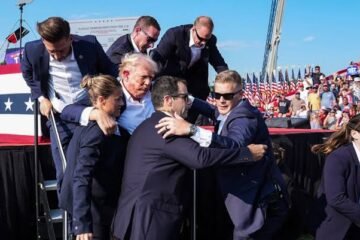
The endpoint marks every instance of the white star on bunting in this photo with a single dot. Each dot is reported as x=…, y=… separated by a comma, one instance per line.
x=8, y=104
x=29, y=105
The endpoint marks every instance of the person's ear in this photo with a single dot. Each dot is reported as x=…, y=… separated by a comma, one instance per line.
x=168, y=100
x=125, y=74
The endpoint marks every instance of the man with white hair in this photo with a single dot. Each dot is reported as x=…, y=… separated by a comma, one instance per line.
x=136, y=73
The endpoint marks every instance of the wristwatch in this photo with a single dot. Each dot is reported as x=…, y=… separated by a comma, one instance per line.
x=193, y=129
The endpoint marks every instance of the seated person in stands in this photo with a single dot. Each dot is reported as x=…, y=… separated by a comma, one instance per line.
x=345, y=104
x=92, y=179
x=339, y=189
x=296, y=103
x=330, y=120
x=302, y=112
x=323, y=112
x=343, y=120
x=315, y=121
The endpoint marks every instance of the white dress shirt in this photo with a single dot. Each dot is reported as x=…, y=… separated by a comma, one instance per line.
x=195, y=50
x=203, y=136
x=64, y=85
x=357, y=151
x=136, y=111
x=136, y=49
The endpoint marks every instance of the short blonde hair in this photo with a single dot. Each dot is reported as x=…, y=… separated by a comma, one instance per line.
x=229, y=76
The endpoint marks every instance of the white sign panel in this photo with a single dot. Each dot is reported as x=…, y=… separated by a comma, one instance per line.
x=107, y=30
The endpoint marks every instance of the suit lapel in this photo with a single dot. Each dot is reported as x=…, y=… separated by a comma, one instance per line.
x=357, y=175
x=44, y=61
x=187, y=48
x=80, y=56
x=43, y=71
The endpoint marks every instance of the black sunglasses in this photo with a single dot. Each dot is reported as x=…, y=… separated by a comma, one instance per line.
x=200, y=38
x=226, y=96
x=184, y=96
x=149, y=39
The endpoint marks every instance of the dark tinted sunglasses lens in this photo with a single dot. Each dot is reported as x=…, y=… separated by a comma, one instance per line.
x=151, y=40
x=216, y=95
x=226, y=96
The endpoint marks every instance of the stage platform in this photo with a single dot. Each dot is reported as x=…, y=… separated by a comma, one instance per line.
x=17, y=184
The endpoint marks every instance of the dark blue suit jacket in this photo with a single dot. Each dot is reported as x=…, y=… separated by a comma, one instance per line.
x=88, y=53
x=341, y=188
x=119, y=48
x=92, y=179
x=245, y=186
x=174, y=55
x=156, y=181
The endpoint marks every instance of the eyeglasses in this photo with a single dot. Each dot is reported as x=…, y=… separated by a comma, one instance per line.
x=184, y=96
x=226, y=96
x=200, y=38
x=149, y=38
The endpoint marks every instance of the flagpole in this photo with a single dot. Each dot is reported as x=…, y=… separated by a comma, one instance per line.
x=21, y=5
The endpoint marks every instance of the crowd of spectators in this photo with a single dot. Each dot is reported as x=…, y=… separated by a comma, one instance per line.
x=326, y=103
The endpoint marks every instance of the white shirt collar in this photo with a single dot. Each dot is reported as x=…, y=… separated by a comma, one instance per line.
x=192, y=43
x=357, y=151
x=136, y=49
x=128, y=96
x=70, y=57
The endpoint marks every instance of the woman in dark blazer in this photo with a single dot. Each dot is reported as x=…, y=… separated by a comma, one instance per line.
x=340, y=185
x=92, y=179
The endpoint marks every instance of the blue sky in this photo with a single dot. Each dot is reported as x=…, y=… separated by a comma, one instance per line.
x=320, y=32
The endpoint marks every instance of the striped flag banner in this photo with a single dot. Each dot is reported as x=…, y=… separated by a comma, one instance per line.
x=16, y=108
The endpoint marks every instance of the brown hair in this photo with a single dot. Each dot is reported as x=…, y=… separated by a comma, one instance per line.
x=54, y=29
x=164, y=85
x=338, y=138
x=100, y=85
x=147, y=21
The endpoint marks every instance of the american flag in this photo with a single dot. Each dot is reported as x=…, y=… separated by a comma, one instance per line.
x=281, y=81
x=293, y=81
x=286, y=84
x=292, y=74
x=274, y=85
x=255, y=89
x=261, y=84
x=267, y=84
x=248, y=88
x=299, y=75
x=17, y=108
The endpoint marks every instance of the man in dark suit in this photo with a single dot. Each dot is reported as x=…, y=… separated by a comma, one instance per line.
x=186, y=51
x=144, y=35
x=255, y=203
x=53, y=68
x=155, y=183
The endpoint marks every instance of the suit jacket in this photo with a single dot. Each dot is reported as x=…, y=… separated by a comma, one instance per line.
x=174, y=55
x=119, y=48
x=341, y=188
x=244, y=200
x=92, y=179
x=88, y=53
x=156, y=181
